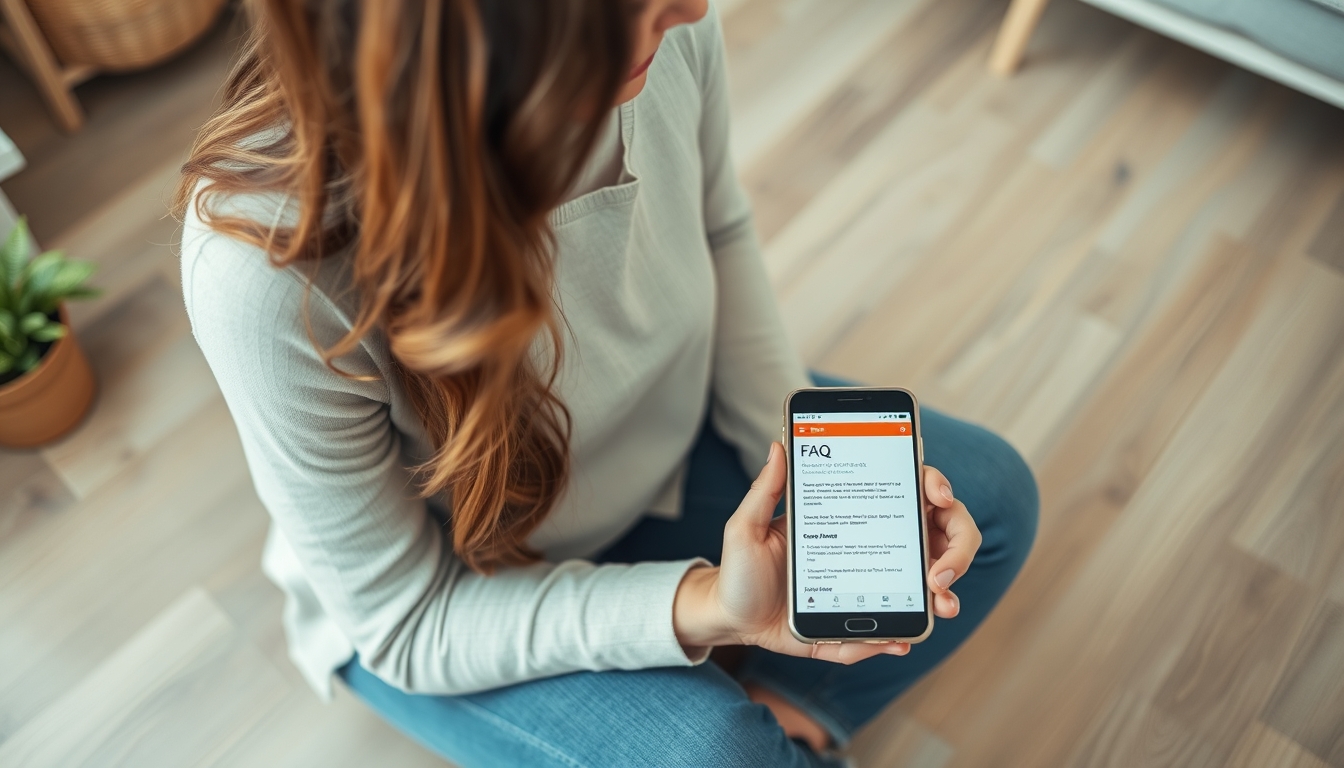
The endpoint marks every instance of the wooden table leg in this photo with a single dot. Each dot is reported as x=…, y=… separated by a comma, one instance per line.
x=1014, y=35
x=41, y=63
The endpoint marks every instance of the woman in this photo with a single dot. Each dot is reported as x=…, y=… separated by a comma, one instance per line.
x=470, y=319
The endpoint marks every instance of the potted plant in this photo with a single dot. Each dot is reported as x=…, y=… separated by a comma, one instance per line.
x=46, y=385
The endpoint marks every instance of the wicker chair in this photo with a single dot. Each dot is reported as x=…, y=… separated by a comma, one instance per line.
x=62, y=43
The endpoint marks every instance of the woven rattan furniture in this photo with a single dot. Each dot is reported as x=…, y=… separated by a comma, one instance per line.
x=62, y=43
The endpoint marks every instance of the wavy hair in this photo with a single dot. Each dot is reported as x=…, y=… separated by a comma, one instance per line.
x=427, y=140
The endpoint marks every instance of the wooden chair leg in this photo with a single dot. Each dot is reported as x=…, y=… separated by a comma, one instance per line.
x=32, y=48
x=1014, y=35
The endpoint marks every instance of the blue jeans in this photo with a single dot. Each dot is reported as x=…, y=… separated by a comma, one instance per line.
x=699, y=716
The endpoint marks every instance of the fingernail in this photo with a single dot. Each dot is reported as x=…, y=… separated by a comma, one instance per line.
x=947, y=493
x=944, y=578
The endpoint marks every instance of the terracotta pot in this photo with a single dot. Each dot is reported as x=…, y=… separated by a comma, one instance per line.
x=49, y=400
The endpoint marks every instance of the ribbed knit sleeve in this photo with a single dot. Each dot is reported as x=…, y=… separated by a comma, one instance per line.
x=327, y=463
x=755, y=365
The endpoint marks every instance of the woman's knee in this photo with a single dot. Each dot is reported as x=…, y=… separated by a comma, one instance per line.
x=741, y=733
x=1010, y=500
x=665, y=716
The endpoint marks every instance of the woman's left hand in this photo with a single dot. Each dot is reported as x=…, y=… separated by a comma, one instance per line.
x=745, y=600
x=954, y=539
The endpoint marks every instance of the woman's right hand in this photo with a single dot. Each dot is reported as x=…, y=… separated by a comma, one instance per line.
x=745, y=599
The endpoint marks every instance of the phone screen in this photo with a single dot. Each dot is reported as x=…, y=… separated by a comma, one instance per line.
x=858, y=545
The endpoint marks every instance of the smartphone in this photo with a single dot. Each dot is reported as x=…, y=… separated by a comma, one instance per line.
x=858, y=540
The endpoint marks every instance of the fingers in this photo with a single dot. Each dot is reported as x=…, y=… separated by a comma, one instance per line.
x=946, y=605
x=937, y=543
x=849, y=653
x=963, y=541
x=840, y=653
x=758, y=506
x=937, y=490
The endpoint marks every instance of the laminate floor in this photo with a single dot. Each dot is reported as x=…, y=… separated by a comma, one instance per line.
x=1128, y=259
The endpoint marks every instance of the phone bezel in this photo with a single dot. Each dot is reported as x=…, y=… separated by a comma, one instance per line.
x=902, y=626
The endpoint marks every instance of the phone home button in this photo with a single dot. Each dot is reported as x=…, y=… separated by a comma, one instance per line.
x=861, y=625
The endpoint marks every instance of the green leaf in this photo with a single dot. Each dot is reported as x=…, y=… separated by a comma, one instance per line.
x=66, y=284
x=32, y=284
x=49, y=332
x=6, y=362
x=15, y=345
x=28, y=360
x=12, y=342
x=70, y=277
x=84, y=293
x=33, y=321
x=14, y=253
x=40, y=272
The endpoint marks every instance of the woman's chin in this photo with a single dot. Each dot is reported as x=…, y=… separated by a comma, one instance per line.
x=632, y=88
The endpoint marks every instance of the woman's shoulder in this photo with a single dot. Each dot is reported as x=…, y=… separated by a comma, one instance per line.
x=700, y=44
x=216, y=265
x=240, y=303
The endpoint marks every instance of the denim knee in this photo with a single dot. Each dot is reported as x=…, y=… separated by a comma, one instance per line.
x=742, y=734
x=1010, y=519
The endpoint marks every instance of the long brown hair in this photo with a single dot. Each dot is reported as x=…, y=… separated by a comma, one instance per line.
x=431, y=138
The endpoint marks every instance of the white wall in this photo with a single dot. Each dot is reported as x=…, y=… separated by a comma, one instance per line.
x=11, y=162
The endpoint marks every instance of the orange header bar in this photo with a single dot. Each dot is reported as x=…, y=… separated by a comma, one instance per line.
x=855, y=429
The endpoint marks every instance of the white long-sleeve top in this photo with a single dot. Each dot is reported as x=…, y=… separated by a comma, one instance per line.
x=671, y=316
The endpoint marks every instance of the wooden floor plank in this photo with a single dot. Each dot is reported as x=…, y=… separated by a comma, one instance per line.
x=152, y=377
x=73, y=589
x=896, y=740
x=1297, y=525
x=1133, y=733
x=784, y=178
x=1201, y=487
x=1308, y=701
x=1075, y=127
x=1328, y=245
x=30, y=494
x=132, y=239
x=1097, y=467
x=871, y=253
x=813, y=44
x=1042, y=261
x=1263, y=747
x=1227, y=670
x=180, y=690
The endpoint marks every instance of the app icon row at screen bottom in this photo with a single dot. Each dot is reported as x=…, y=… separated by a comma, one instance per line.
x=865, y=601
